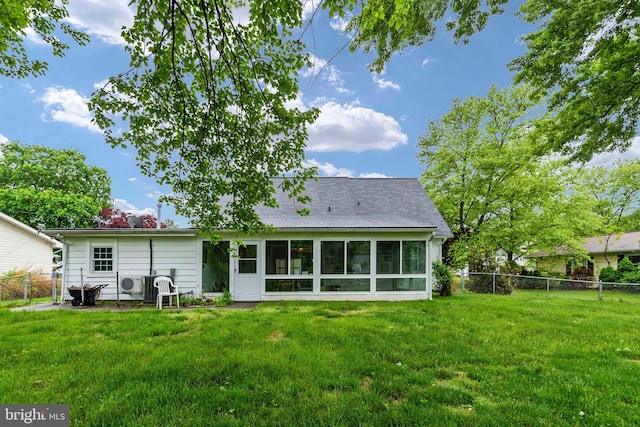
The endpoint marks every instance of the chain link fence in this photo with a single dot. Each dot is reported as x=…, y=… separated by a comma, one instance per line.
x=497, y=283
x=23, y=288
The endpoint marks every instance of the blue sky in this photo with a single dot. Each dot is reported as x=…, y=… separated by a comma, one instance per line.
x=369, y=124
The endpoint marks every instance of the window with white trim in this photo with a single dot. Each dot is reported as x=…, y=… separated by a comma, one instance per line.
x=102, y=259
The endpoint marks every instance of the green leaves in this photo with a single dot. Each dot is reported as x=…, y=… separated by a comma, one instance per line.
x=208, y=106
x=485, y=174
x=615, y=192
x=55, y=188
x=583, y=58
x=387, y=26
x=44, y=18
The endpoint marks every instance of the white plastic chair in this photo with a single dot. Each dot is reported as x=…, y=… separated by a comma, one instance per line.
x=165, y=288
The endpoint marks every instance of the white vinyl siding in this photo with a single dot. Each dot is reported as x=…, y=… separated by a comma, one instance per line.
x=23, y=250
x=133, y=257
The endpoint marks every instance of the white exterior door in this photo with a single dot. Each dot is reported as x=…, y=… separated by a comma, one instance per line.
x=247, y=281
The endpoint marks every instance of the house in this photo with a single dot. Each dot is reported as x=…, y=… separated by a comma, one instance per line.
x=364, y=239
x=603, y=251
x=24, y=248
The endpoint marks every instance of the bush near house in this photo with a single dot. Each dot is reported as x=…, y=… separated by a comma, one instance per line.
x=626, y=273
x=608, y=274
x=442, y=278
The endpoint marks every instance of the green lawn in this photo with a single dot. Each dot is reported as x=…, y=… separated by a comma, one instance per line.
x=485, y=360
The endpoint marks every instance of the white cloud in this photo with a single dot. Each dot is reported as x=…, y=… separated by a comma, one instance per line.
x=339, y=23
x=154, y=194
x=321, y=69
x=385, y=84
x=373, y=175
x=103, y=19
x=132, y=179
x=309, y=7
x=608, y=159
x=33, y=36
x=67, y=106
x=428, y=61
x=127, y=207
x=351, y=128
x=327, y=169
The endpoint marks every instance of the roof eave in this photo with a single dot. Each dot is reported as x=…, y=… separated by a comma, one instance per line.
x=358, y=229
x=121, y=231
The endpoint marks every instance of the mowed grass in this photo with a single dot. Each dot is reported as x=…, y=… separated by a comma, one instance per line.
x=478, y=360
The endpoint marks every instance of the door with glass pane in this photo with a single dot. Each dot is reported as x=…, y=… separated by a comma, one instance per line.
x=215, y=267
x=247, y=273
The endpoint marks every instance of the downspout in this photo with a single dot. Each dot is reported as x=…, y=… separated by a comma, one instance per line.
x=65, y=264
x=150, y=257
x=430, y=268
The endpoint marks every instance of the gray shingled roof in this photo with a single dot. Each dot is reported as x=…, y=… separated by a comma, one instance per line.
x=615, y=243
x=358, y=203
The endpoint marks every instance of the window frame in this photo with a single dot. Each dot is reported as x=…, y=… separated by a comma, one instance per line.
x=92, y=245
x=248, y=259
x=288, y=278
x=347, y=266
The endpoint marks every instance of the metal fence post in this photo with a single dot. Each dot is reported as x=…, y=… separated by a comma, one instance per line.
x=54, y=287
x=494, y=283
x=26, y=282
x=600, y=291
x=462, y=282
x=548, y=286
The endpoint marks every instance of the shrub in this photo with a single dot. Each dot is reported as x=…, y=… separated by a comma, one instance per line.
x=625, y=266
x=608, y=274
x=442, y=277
x=224, y=300
x=483, y=284
x=627, y=272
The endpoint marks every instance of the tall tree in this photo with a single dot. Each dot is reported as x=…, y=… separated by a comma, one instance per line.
x=616, y=195
x=49, y=187
x=485, y=175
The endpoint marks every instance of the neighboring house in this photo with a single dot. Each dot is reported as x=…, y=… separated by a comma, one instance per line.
x=364, y=239
x=603, y=251
x=24, y=248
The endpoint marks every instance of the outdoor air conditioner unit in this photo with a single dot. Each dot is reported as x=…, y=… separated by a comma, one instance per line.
x=150, y=292
x=131, y=285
